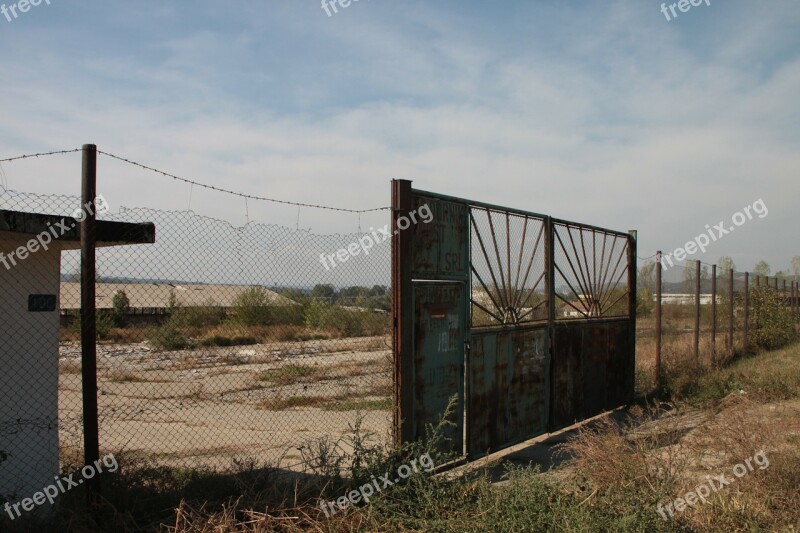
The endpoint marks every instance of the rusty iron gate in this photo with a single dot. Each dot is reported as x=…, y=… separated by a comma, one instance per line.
x=527, y=320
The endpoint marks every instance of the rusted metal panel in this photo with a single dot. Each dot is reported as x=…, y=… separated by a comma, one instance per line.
x=508, y=391
x=591, y=370
x=440, y=246
x=439, y=335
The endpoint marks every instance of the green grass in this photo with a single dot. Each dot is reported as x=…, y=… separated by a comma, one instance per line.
x=361, y=405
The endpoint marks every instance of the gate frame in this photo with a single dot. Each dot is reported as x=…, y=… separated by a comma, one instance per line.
x=402, y=316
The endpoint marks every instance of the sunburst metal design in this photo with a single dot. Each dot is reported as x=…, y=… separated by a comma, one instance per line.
x=507, y=268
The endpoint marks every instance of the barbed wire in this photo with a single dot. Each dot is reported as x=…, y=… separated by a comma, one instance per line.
x=193, y=183
x=234, y=193
x=40, y=154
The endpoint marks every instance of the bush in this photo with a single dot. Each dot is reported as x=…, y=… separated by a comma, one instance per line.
x=348, y=322
x=104, y=323
x=773, y=324
x=208, y=315
x=219, y=340
x=171, y=335
x=121, y=308
x=288, y=315
x=644, y=303
x=252, y=307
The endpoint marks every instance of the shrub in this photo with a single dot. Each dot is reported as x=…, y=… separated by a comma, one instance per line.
x=207, y=315
x=348, y=322
x=104, y=323
x=220, y=340
x=252, y=307
x=121, y=307
x=644, y=302
x=171, y=335
x=289, y=315
x=772, y=320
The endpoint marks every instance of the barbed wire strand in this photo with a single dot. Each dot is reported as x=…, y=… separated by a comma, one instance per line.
x=191, y=182
x=234, y=193
x=40, y=154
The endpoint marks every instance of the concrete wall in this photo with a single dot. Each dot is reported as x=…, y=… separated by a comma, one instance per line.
x=28, y=372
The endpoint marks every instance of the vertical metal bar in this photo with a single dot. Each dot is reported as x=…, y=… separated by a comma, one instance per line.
x=784, y=291
x=776, y=283
x=730, y=315
x=658, y=317
x=550, y=287
x=713, y=313
x=505, y=300
x=632, y=272
x=511, y=297
x=795, y=299
x=401, y=316
x=594, y=263
x=746, y=311
x=697, y=311
x=88, y=231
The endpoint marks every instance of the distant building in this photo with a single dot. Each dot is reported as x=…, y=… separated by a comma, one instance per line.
x=686, y=299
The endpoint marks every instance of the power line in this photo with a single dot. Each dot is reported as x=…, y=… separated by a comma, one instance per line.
x=234, y=193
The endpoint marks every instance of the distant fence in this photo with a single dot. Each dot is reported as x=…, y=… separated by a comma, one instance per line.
x=710, y=314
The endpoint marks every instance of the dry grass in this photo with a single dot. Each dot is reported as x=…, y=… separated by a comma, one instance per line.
x=290, y=374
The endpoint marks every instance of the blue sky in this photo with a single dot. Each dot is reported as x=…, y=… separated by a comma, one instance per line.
x=601, y=112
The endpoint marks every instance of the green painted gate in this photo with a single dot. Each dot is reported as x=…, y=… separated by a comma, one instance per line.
x=525, y=321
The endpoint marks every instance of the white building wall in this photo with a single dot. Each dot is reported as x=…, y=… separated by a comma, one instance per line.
x=28, y=373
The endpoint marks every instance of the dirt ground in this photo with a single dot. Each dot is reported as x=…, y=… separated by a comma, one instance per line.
x=211, y=405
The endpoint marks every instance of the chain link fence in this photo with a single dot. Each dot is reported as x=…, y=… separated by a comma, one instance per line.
x=216, y=342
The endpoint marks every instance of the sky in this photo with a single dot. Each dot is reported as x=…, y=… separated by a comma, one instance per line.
x=600, y=112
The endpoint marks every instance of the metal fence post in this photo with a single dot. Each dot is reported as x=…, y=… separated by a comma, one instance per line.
x=91, y=431
x=697, y=311
x=658, y=317
x=632, y=293
x=732, y=348
x=784, y=292
x=746, y=311
x=713, y=313
x=403, y=355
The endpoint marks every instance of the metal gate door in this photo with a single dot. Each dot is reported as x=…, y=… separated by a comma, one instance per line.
x=528, y=321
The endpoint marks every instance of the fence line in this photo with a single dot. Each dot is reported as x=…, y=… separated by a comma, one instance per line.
x=216, y=342
x=710, y=313
x=220, y=342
